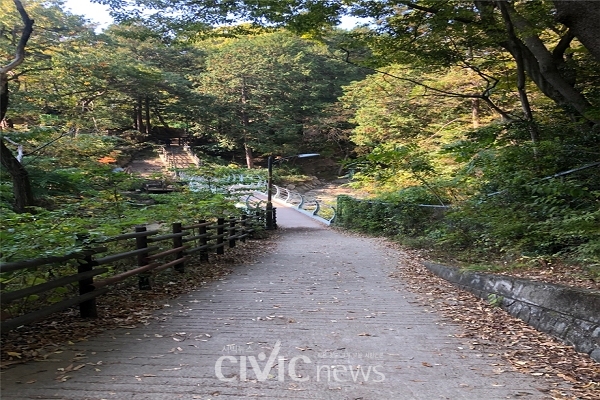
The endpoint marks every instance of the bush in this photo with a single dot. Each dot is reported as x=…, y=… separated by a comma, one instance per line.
x=511, y=199
x=399, y=217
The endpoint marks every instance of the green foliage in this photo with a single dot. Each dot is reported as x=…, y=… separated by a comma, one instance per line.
x=494, y=300
x=511, y=200
x=402, y=216
x=74, y=78
x=442, y=123
x=102, y=215
x=266, y=89
x=82, y=193
x=74, y=179
x=529, y=200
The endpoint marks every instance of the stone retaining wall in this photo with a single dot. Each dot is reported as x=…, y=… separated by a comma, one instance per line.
x=570, y=314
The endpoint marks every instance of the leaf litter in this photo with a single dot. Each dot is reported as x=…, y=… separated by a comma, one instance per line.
x=40, y=340
x=494, y=332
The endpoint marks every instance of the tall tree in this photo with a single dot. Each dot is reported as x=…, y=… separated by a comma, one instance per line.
x=480, y=33
x=267, y=88
x=147, y=71
x=93, y=82
x=582, y=18
x=20, y=176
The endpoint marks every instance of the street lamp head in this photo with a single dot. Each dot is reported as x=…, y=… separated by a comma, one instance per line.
x=308, y=155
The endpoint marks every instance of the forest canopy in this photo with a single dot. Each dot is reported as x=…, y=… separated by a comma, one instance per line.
x=489, y=109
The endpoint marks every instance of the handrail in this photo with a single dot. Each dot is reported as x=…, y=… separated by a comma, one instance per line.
x=240, y=185
x=202, y=236
x=192, y=155
x=309, y=206
x=257, y=202
x=235, y=183
x=232, y=184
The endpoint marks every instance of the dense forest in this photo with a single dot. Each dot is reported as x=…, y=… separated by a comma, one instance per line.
x=488, y=110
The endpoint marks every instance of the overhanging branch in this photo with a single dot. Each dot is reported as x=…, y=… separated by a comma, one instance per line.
x=441, y=92
x=27, y=30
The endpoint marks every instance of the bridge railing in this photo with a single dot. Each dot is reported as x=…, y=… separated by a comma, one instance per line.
x=83, y=276
x=188, y=150
x=166, y=157
x=238, y=185
x=234, y=184
x=310, y=206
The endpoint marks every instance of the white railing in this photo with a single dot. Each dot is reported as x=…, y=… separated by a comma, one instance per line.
x=310, y=206
x=244, y=185
x=193, y=157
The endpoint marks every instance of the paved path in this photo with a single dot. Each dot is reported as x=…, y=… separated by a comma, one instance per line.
x=179, y=158
x=147, y=168
x=155, y=167
x=320, y=309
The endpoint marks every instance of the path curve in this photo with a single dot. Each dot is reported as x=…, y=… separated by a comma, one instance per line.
x=321, y=305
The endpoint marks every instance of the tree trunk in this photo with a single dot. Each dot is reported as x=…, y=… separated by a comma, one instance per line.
x=521, y=78
x=249, y=156
x=20, y=178
x=139, y=116
x=148, y=127
x=134, y=118
x=475, y=113
x=582, y=17
x=245, y=123
x=542, y=66
x=3, y=95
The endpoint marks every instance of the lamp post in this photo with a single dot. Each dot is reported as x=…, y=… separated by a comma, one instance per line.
x=269, y=217
x=270, y=220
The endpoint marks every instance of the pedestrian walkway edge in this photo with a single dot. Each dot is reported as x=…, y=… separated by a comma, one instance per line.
x=570, y=314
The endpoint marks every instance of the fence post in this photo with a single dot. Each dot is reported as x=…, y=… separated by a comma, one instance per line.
x=142, y=243
x=259, y=216
x=220, y=230
x=203, y=240
x=243, y=223
x=87, y=309
x=178, y=242
x=232, y=230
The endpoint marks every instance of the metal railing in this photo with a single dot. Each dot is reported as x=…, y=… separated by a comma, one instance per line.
x=310, y=206
x=233, y=184
x=187, y=149
x=243, y=185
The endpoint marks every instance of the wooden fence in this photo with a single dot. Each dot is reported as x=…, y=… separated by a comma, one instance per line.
x=149, y=252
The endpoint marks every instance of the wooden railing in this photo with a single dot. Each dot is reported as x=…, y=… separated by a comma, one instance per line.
x=152, y=252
